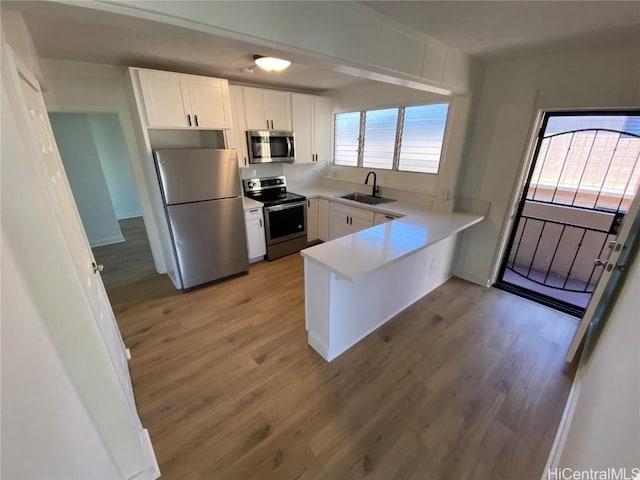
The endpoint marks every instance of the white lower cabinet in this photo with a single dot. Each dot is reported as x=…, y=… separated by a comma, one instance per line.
x=345, y=220
x=323, y=219
x=383, y=218
x=255, y=234
x=313, y=232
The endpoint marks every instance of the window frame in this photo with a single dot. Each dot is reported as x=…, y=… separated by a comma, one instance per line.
x=398, y=137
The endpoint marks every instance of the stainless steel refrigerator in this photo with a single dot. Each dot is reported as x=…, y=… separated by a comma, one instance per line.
x=203, y=203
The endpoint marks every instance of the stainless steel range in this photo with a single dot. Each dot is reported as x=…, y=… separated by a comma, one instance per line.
x=285, y=215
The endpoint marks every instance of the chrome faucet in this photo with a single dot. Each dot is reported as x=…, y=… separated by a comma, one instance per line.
x=375, y=180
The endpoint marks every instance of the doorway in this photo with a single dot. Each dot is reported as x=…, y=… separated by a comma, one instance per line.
x=583, y=178
x=97, y=164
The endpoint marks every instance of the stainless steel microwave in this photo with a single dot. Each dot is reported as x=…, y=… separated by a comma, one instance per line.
x=269, y=146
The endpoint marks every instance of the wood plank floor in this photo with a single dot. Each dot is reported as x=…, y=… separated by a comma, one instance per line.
x=128, y=261
x=468, y=383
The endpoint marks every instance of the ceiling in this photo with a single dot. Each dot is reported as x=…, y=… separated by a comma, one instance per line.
x=502, y=30
x=488, y=30
x=71, y=33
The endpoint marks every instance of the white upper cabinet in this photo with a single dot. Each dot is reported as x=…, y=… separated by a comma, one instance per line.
x=267, y=109
x=174, y=100
x=164, y=99
x=302, y=119
x=277, y=105
x=322, y=128
x=209, y=102
x=311, y=116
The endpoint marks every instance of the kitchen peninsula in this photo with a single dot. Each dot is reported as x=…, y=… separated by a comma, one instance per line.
x=356, y=283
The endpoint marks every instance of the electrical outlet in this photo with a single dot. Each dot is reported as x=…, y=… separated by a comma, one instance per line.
x=443, y=194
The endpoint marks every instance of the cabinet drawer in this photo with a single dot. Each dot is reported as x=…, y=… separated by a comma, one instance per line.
x=352, y=212
x=253, y=213
x=384, y=218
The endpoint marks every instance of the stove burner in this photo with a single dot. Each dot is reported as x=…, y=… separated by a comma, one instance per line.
x=270, y=191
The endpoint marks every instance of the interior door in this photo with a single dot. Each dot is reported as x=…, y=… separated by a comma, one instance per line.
x=78, y=245
x=613, y=275
x=209, y=99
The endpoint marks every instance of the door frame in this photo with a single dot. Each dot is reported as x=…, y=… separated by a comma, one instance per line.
x=526, y=174
x=593, y=100
x=142, y=187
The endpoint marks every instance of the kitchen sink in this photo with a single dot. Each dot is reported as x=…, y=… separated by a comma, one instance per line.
x=364, y=198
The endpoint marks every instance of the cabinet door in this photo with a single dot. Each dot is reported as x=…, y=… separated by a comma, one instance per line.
x=322, y=129
x=312, y=219
x=236, y=137
x=364, y=214
x=302, y=116
x=209, y=101
x=255, y=237
x=339, y=225
x=165, y=99
x=255, y=114
x=358, y=224
x=323, y=219
x=277, y=106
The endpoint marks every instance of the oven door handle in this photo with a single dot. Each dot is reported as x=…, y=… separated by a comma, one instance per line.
x=276, y=208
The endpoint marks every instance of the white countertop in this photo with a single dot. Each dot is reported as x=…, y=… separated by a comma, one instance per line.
x=249, y=203
x=355, y=255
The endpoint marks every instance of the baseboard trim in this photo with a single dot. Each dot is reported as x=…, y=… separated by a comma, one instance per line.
x=471, y=278
x=107, y=241
x=152, y=470
x=318, y=345
x=553, y=460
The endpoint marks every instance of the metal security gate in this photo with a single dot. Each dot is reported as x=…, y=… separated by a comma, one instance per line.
x=585, y=173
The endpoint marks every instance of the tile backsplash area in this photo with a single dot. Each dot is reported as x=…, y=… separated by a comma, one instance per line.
x=262, y=170
x=299, y=173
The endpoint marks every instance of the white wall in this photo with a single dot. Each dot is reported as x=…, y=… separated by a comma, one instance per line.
x=605, y=427
x=84, y=171
x=16, y=34
x=379, y=95
x=509, y=99
x=116, y=165
x=343, y=36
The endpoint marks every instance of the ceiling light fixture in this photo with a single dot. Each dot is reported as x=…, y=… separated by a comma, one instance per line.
x=271, y=64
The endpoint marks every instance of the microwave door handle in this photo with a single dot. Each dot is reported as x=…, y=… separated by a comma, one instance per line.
x=289, y=147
